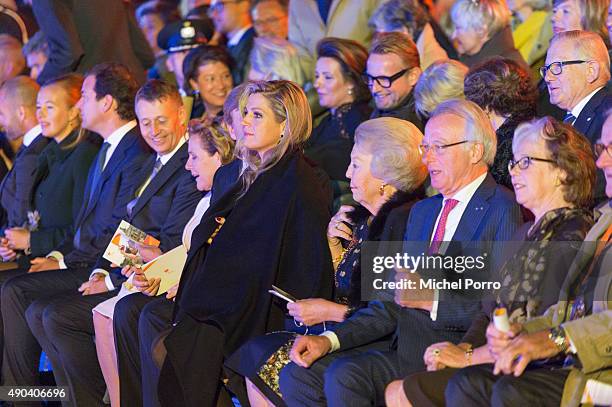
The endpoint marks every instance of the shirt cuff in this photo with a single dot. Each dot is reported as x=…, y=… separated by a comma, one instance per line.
x=59, y=257
x=433, y=314
x=333, y=338
x=107, y=279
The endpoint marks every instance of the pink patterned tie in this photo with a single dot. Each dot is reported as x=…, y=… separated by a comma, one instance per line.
x=449, y=205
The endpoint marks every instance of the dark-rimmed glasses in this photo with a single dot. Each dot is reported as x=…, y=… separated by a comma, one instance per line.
x=438, y=148
x=220, y=5
x=599, y=148
x=383, y=81
x=524, y=162
x=556, y=68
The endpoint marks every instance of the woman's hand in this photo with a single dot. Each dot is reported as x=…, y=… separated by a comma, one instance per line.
x=18, y=238
x=497, y=341
x=340, y=226
x=313, y=311
x=445, y=354
x=145, y=286
x=171, y=294
x=6, y=253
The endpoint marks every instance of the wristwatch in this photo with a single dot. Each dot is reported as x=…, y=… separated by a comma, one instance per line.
x=557, y=335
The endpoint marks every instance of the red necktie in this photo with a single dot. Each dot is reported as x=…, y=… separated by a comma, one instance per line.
x=449, y=205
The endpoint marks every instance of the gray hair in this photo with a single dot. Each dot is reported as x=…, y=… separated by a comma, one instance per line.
x=492, y=15
x=395, y=15
x=278, y=59
x=442, y=80
x=478, y=126
x=394, y=145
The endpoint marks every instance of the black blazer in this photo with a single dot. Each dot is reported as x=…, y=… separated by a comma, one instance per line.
x=241, y=55
x=82, y=34
x=590, y=122
x=164, y=207
x=57, y=192
x=99, y=217
x=16, y=187
x=490, y=215
x=224, y=178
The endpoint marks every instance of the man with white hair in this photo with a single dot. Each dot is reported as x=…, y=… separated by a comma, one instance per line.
x=458, y=147
x=576, y=72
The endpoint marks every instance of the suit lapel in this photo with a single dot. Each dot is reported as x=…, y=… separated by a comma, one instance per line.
x=172, y=166
x=587, y=116
x=474, y=212
x=430, y=221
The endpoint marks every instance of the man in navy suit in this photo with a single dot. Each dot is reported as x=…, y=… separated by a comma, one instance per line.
x=106, y=108
x=458, y=147
x=161, y=202
x=576, y=72
x=18, y=118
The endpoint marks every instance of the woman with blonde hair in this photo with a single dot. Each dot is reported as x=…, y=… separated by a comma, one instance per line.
x=584, y=15
x=275, y=217
x=59, y=181
x=442, y=81
x=275, y=58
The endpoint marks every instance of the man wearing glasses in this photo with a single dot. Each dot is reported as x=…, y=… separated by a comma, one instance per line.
x=270, y=18
x=391, y=73
x=576, y=72
x=232, y=19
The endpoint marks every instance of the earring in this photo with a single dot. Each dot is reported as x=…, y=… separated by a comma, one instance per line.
x=381, y=189
x=350, y=91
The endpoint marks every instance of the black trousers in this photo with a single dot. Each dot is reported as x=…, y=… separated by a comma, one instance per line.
x=138, y=321
x=4, y=276
x=21, y=349
x=349, y=378
x=64, y=328
x=478, y=386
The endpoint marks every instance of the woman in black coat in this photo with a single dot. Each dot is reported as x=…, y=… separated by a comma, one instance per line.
x=267, y=229
x=61, y=175
x=386, y=175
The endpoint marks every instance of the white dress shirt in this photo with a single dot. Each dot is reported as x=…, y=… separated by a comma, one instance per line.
x=31, y=135
x=578, y=108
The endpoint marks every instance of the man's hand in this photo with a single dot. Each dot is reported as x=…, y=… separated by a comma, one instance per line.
x=6, y=252
x=497, y=341
x=43, y=264
x=148, y=253
x=412, y=298
x=445, y=354
x=18, y=238
x=95, y=285
x=308, y=349
x=311, y=311
x=522, y=350
x=127, y=271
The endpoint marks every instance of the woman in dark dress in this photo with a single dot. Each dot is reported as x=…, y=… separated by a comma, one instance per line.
x=553, y=173
x=61, y=175
x=386, y=176
x=505, y=91
x=266, y=229
x=340, y=88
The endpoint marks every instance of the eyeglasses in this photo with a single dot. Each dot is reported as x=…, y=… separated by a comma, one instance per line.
x=524, y=162
x=556, y=68
x=600, y=148
x=438, y=148
x=220, y=5
x=266, y=22
x=383, y=81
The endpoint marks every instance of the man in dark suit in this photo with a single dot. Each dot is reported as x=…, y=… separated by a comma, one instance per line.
x=106, y=107
x=393, y=69
x=18, y=118
x=458, y=146
x=571, y=343
x=576, y=72
x=233, y=20
x=161, y=202
x=82, y=34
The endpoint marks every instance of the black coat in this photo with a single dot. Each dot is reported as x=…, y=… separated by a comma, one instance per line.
x=16, y=187
x=82, y=34
x=274, y=234
x=405, y=111
x=58, y=189
x=240, y=54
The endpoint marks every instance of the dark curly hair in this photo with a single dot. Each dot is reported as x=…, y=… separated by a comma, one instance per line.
x=571, y=152
x=201, y=56
x=503, y=86
x=117, y=81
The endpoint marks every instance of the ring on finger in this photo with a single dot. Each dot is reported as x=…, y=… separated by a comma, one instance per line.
x=436, y=352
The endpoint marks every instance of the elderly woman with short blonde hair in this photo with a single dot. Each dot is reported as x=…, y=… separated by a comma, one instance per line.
x=442, y=81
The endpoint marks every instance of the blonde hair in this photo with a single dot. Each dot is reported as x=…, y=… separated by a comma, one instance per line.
x=277, y=58
x=442, y=80
x=593, y=14
x=492, y=15
x=289, y=104
x=394, y=145
x=213, y=138
x=70, y=84
x=588, y=46
x=399, y=44
x=478, y=126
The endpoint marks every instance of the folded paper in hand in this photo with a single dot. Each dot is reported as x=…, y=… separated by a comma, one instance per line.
x=122, y=249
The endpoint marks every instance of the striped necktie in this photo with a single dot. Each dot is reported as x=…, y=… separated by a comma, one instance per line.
x=569, y=118
x=130, y=206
